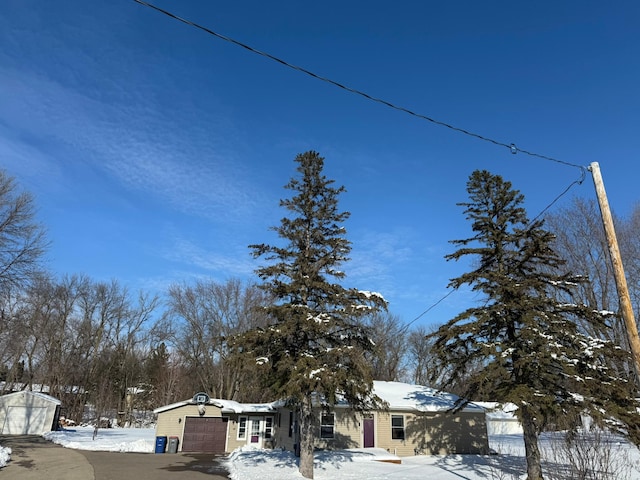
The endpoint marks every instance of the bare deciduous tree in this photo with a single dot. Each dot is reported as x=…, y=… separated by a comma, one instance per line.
x=22, y=239
x=388, y=360
x=581, y=241
x=200, y=319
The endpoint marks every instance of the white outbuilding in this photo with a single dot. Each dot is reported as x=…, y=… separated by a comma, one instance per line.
x=28, y=413
x=501, y=418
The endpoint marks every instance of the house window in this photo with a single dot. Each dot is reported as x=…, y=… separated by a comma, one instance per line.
x=255, y=430
x=327, y=422
x=290, y=424
x=242, y=428
x=268, y=427
x=397, y=427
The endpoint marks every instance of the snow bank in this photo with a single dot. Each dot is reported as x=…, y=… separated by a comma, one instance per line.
x=5, y=454
x=354, y=464
x=140, y=440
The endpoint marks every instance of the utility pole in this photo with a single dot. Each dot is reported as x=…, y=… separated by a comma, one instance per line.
x=618, y=270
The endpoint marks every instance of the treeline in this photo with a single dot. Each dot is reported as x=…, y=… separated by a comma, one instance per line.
x=85, y=341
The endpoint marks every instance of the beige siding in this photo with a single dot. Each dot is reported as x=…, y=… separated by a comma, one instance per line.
x=346, y=431
x=434, y=433
x=281, y=437
x=232, y=434
x=402, y=448
x=171, y=422
x=425, y=433
x=234, y=420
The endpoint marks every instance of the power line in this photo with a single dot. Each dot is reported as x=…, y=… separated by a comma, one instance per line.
x=564, y=192
x=511, y=146
x=430, y=308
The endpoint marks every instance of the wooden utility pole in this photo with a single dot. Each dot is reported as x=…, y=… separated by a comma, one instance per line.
x=618, y=270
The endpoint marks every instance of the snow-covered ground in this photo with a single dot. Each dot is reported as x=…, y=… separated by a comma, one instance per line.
x=354, y=464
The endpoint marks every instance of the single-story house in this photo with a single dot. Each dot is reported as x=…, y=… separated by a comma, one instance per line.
x=417, y=421
x=28, y=413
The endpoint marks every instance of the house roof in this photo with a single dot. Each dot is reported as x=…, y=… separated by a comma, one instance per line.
x=226, y=406
x=403, y=396
x=500, y=411
x=399, y=396
x=28, y=393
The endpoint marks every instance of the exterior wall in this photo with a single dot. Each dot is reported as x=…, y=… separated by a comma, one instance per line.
x=434, y=433
x=425, y=433
x=346, y=431
x=285, y=432
x=232, y=433
x=234, y=442
x=503, y=426
x=171, y=422
x=402, y=448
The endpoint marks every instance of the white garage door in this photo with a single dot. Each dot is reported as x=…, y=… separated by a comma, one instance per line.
x=25, y=421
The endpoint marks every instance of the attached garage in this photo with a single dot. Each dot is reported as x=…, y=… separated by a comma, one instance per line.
x=28, y=413
x=216, y=426
x=205, y=434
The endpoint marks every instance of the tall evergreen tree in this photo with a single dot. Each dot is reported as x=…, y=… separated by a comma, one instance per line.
x=313, y=352
x=529, y=346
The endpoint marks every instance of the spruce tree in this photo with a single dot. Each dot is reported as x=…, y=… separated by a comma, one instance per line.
x=529, y=346
x=313, y=353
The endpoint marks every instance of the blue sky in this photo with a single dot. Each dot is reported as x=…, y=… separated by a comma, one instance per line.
x=157, y=153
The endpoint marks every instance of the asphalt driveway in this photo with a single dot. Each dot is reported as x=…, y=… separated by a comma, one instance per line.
x=34, y=458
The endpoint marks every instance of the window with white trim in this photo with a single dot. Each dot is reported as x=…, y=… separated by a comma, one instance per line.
x=255, y=430
x=327, y=424
x=397, y=427
x=242, y=428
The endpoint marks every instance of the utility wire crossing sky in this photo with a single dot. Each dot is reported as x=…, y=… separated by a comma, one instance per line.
x=157, y=156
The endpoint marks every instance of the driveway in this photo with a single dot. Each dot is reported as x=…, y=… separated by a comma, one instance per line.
x=34, y=458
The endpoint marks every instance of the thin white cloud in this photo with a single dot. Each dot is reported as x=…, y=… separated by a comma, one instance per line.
x=233, y=263
x=377, y=258
x=28, y=162
x=133, y=144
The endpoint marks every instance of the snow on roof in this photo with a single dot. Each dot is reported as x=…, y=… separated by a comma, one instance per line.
x=236, y=407
x=403, y=396
x=499, y=411
x=226, y=406
x=171, y=406
x=399, y=396
x=26, y=393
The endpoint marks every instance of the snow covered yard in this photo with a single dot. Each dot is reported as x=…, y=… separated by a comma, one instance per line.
x=369, y=464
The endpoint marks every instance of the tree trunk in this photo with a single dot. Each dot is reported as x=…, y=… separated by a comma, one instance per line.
x=532, y=452
x=306, y=438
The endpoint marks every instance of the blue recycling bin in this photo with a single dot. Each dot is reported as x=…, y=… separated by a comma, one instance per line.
x=161, y=444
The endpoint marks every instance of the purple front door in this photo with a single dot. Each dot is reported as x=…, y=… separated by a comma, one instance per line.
x=368, y=429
